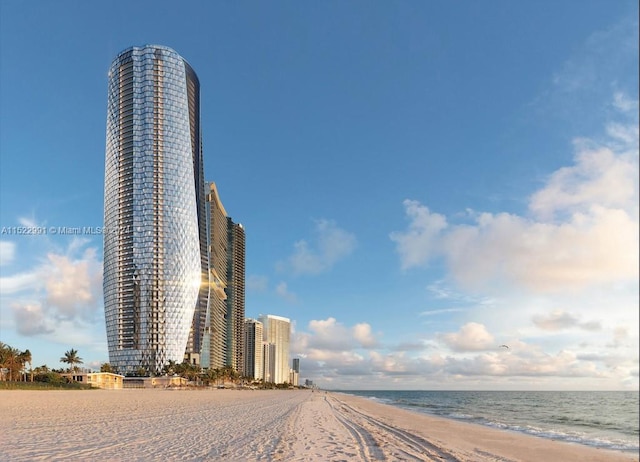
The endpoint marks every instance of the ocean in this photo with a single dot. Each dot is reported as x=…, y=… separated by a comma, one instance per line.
x=602, y=419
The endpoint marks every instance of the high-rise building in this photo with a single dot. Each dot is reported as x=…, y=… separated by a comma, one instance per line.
x=155, y=241
x=235, y=295
x=253, y=350
x=277, y=330
x=218, y=258
x=269, y=362
x=294, y=374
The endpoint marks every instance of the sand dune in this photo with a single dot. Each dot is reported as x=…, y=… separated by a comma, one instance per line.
x=230, y=425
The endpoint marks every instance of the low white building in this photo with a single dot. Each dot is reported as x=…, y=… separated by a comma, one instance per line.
x=104, y=380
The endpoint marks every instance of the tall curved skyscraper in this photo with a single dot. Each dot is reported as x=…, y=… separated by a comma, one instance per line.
x=155, y=241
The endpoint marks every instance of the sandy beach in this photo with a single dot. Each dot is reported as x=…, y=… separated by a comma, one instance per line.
x=243, y=425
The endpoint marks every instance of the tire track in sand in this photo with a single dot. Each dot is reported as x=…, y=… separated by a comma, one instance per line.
x=393, y=443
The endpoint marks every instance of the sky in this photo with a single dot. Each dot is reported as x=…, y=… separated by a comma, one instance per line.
x=420, y=182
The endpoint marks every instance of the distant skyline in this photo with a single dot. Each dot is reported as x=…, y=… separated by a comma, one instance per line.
x=419, y=182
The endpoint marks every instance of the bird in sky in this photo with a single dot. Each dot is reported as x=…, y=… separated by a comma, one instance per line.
x=504, y=346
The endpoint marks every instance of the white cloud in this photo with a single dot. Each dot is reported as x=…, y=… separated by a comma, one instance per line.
x=331, y=245
x=31, y=319
x=73, y=286
x=623, y=103
x=257, y=283
x=61, y=288
x=583, y=230
x=471, y=337
x=560, y=320
x=283, y=292
x=28, y=222
x=468, y=358
x=598, y=179
x=441, y=311
x=420, y=242
x=363, y=335
x=7, y=252
x=328, y=336
x=19, y=282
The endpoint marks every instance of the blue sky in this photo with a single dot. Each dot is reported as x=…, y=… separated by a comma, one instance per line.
x=420, y=182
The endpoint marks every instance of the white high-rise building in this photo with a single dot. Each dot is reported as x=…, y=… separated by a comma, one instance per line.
x=269, y=362
x=277, y=330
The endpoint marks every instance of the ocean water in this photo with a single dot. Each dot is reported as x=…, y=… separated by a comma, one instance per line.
x=602, y=419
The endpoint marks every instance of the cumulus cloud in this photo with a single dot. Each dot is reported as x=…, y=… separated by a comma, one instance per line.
x=328, y=336
x=559, y=320
x=333, y=355
x=7, y=252
x=582, y=231
x=363, y=335
x=331, y=244
x=420, y=242
x=72, y=286
x=62, y=288
x=31, y=319
x=471, y=337
x=599, y=179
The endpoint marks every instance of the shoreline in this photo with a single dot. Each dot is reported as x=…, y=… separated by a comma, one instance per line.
x=255, y=425
x=485, y=441
x=504, y=418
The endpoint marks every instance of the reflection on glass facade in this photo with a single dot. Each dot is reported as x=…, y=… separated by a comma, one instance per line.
x=155, y=247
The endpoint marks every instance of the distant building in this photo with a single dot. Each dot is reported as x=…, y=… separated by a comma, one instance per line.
x=294, y=378
x=164, y=381
x=269, y=362
x=277, y=331
x=253, y=349
x=294, y=374
x=235, y=295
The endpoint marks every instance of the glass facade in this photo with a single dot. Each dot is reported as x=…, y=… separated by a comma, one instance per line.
x=155, y=243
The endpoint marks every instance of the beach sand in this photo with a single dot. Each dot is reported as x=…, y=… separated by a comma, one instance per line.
x=243, y=425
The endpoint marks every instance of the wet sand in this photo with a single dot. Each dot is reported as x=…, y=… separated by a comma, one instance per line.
x=243, y=425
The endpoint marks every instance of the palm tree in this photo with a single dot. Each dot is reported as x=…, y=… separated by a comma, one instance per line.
x=169, y=368
x=10, y=359
x=106, y=367
x=71, y=358
x=25, y=357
